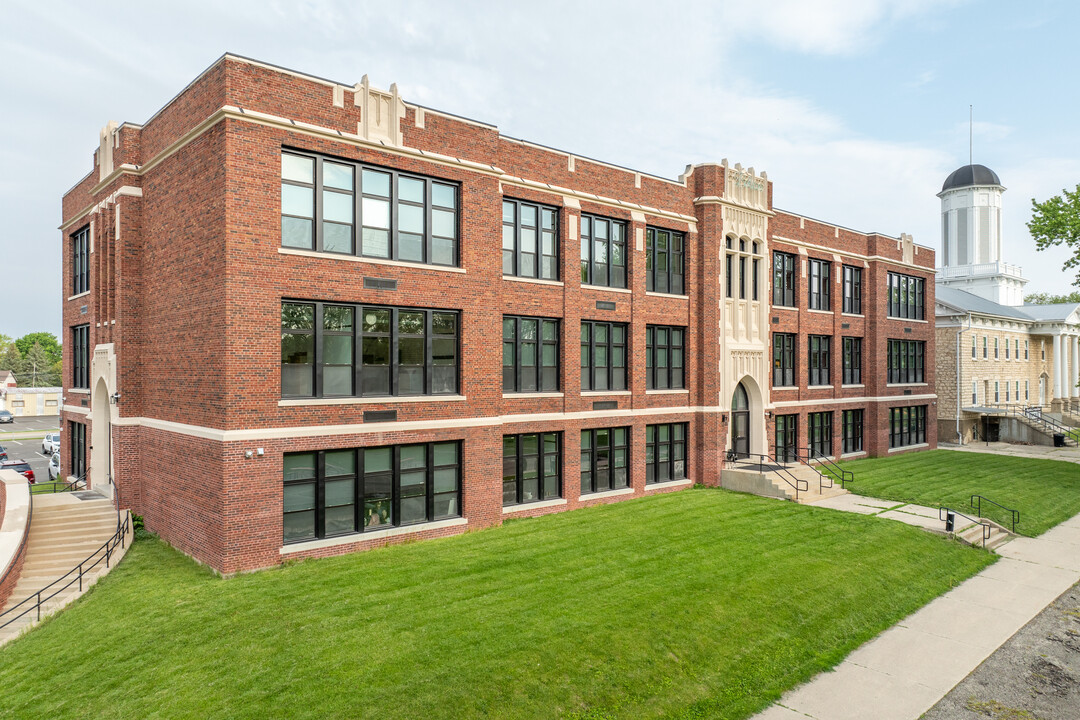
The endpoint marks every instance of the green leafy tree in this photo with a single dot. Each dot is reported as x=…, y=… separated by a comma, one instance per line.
x=1057, y=222
x=46, y=340
x=1041, y=298
x=38, y=368
x=11, y=358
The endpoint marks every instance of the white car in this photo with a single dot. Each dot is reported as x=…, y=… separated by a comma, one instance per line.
x=51, y=444
x=54, y=467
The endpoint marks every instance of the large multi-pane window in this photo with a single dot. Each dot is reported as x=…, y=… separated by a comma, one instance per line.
x=906, y=296
x=532, y=468
x=819, y=359
x=787, y=438
x=336, y=206
x=605, y=455
x=77, y=448
x=783, y=290
x=852, y=290
x=80, y=356
x=664, y=261
x=852, y=372
x=783, y=359
x=530, y=354
x=603, y=355
x=335, y=350
x=852, y=431
x=338, y=492
x=664, y=357
x=820, y=434
x=530, y=240
x=603, y=251
x=819, y=285
x=907, y=426
x=80, y=261
x=906, y=361
x=665, y=452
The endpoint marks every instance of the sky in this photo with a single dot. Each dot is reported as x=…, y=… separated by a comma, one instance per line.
x=857, y=109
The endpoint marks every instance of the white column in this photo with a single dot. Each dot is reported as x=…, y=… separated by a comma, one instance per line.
x=1074, y=391
x=1058, y=345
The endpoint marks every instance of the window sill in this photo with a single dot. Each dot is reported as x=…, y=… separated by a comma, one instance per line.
x=845, y=456
x=786, y=387
x=354, y=538
x=820, y=312
x=523, y=395
x=606, y=494
x=523, y=507
x=373, y=261
x=601, y=393
x=606, y=289
x=904, y=385
x=819, y=387
x=675, y=391
x=76, y=297
x=910, y=320
x=909, y=447
x=535, y=281
x=384, y=400
x=674, y=296
x=784, y=307
x=854, y=315
x=668, y=484
x=851, y=387
x=80, y=391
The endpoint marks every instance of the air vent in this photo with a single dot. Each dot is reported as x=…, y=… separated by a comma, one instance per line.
x=605, y=305
x=845, y=326
x=83, y=309
x=371, y=283
x=605, y=405
x=907, y=330
x=907, y=392
x=776, y=320
x=371, y=416
x=85, y=402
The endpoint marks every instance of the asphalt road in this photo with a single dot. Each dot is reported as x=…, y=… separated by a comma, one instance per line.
x=30, y=424
x=30, y=451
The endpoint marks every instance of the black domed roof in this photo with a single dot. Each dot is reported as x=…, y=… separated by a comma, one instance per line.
x=970, y=175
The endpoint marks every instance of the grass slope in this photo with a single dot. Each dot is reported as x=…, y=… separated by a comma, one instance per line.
x=1046, y=492
x=702, y=603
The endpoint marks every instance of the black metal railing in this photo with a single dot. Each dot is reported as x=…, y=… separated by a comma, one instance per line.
x=1033, y=414
x=977, y=500
x=58, y=486
x=943, y=515
x=35, y=601
x=829, y=466
x=767, y=463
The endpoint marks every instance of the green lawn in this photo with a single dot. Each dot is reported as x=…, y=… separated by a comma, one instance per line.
x=1045, y=492
x=695, y=604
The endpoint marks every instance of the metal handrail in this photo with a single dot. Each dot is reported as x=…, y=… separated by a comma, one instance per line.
x=1035, y=414
x=978, y=509
x=834, y=470
x=794, y=453
x=735, y=457
x=985, y=525
x=122, y=529
x=67, y=486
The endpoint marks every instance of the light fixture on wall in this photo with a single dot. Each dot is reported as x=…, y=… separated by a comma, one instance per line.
x=115, y=398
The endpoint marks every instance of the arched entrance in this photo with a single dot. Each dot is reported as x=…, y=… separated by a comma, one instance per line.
x=100, y=474
x=740, y=422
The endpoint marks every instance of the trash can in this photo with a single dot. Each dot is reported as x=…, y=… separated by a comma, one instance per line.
x=950, y=520
x=1059, y=440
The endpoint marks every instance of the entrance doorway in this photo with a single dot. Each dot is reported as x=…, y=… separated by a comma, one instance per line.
x=100, y=441
x=740, y=422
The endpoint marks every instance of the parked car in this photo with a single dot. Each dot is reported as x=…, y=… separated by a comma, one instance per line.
x=6, y=416
x=54, y=467
x=3, y=453
x=50, y=444
x=20, y=466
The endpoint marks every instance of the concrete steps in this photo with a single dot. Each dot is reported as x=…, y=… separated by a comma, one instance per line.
x=816, y=490
x=972, y=534
x=64, y=532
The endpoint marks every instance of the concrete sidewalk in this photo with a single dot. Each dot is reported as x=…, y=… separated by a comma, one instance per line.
x=1042, y=452
x=905, y=670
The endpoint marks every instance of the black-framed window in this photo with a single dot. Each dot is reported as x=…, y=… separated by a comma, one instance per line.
x=328, y=493
x=530, y=354
x=603, y=251
x=77, y=449
x=852, y=431
x=1006, y=348
x=997, y=391
x=665, y=452
x=665, y=353
x=1026, y=350
x=907, y=426
x=80, y=356
x=338, y=206
x=819, y=285
x=783, y=292
x=729, y=269
x=783, y=359
x=819, y=361
x=1016, y=345
x=986, y=352
x=852, y=373
x=852, y=290
x=80, y=261
x=664, y=261
x=532, y=468
x=787, y=438
x=603, y=355
x=906, y=296
x=907, y=359
x=338, y=350
x=530, y=240
x=605, y=459
x=820, y=433
x=974, y=346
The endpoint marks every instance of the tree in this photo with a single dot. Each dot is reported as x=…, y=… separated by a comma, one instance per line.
x=46, y=340
x=11, y=359
x=38, y=368
x=1057, y=222
x=1041, y=298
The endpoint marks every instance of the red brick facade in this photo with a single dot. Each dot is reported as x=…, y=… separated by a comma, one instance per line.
x=188, y=275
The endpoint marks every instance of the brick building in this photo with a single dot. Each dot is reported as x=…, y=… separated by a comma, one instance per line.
x=308, y=318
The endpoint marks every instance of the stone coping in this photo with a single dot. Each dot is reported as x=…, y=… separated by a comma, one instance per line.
x=15, y=524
